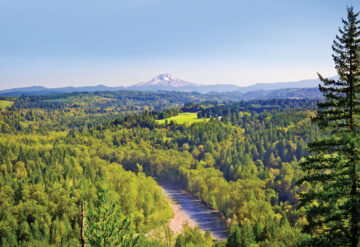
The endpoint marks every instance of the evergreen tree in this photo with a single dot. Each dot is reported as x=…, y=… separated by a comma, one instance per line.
x=106, y=226
x=332, y=205
x=248, y=235
x=235, y=238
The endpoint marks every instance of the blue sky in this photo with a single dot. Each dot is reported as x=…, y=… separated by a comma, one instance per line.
x=120, y=42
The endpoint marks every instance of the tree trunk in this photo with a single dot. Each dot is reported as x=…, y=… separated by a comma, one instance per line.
x=83, y=240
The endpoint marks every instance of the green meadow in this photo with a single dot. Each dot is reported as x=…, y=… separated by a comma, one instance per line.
x=5, y=103
x=185, y=117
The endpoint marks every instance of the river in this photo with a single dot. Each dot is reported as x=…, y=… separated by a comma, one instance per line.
x=187, y=208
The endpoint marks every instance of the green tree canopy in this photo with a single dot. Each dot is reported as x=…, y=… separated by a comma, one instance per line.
x=106, y=225
x=332, y=205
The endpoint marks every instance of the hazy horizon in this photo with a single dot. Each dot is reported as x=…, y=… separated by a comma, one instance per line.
x=120, y=43
x=135, y=83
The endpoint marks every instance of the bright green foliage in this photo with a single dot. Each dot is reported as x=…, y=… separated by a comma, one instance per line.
x=186, y=117
x=44, y=178
x=106, y=226
x=5, y=103
x=193, y=237
x=333, y=204
x=243, y=165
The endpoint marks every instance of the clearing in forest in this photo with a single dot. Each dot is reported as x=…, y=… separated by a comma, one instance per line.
x=185, y=117
x=5, y=103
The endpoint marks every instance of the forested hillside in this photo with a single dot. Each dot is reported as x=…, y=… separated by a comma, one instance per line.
x=170, y=163
x=244, y=164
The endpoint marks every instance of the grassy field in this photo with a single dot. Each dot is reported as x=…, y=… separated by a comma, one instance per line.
x=186, y=117
x=5, y=103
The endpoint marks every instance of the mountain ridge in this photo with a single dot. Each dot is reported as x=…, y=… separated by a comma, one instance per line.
x=165, y=82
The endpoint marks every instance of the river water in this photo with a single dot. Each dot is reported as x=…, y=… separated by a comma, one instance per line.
x=187, y=208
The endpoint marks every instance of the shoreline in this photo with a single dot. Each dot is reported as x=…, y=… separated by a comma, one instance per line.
x=180, y=218
x=192, y=211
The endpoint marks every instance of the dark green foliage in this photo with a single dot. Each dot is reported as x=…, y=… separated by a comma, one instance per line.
x=274, y=233
x=258, y=106
x=235, y=238
x=333, y=203
x=100, y=102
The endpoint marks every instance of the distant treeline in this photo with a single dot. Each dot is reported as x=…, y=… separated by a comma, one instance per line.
x=257, y=106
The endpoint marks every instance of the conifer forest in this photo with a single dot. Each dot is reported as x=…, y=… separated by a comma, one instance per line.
x=89, y=168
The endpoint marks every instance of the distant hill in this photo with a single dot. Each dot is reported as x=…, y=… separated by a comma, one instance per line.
x=167, y=82
x=314, y=83
x=38, y=90
x=289, y=93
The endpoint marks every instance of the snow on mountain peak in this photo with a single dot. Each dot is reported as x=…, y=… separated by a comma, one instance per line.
x=166, y=80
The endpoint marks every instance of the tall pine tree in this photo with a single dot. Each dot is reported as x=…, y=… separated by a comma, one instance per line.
x=332, y=205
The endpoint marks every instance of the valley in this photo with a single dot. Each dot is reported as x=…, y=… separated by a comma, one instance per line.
x=238, y=160
x=179, y=123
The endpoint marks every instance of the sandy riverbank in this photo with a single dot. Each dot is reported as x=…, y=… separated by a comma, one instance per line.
x=188, y=209
x=180, y=218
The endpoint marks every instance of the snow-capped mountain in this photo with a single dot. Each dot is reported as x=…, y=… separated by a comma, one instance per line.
x=166, y=80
